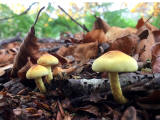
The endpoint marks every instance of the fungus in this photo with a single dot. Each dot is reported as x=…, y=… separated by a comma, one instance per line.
x=37, y=72
x=114, y=62
x=48, y=60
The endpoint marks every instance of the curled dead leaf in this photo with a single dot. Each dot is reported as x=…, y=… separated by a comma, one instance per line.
x=156, y=35
x=141, y=22
x=116, y=32
x=144, y=46
x=2, y=72
x=126, y=44
x=81, y=52
x=95, y=35
x=156, y=58
x=101, y=24
x=91, y=109
x=66, y=51
x=28, y=48
x=151, y=101
x=129, y=114
x=22, y=72
x=61, y=59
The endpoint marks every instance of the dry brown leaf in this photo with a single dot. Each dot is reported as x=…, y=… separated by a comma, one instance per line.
x=2, y=72
x=59, y=70
x=126, y=44
x=156, y=58
x=151, y=102
x=2, y=69
x=101, y=24
x=117, y=32
x=22, y=72
x=28, y=48
x=5, y=58
x=61, y=59
x=66, y=51
x=95, y=35
x=141, y=22
x=86, y=51
x=129, y=114
x=145, y=45
x=91, y=109
x=156, y=35
x=81, y=52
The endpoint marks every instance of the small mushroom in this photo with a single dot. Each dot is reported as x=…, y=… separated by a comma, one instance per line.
x=114, y=62
x=37, y=72
x=48, y=60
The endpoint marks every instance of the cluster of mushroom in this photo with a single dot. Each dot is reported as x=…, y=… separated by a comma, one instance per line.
x=111, y=62
x=42, y=68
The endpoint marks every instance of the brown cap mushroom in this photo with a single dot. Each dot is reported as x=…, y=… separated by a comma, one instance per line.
x=114, y=62
x=48, y=60
x=36, y=72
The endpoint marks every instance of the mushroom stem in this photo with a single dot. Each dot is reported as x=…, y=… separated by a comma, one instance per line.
x=116, y=88
x=49, y=77
x=40, y=85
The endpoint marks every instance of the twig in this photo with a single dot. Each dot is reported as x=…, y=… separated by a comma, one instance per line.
x=148, y=19
x=38, y=16
x=24, y=12
x=82, y=26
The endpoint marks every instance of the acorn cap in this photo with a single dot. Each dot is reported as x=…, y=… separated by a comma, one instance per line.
x=115, y=61
x=47, y=60
x=36, y=71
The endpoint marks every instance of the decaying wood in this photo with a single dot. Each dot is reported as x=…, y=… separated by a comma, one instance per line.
x=86, y=86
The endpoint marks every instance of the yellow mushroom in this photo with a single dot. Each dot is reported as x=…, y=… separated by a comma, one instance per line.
x=48, y=60
x=36, y=72
x=114, y=62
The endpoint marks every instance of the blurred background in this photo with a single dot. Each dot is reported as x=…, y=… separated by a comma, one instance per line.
x=18, y=16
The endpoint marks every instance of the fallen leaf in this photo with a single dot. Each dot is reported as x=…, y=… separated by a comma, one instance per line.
x=126, y=44
x=5, y=58
x=156, y=35
x=144, y=46
x=22, y=72
x=116, y=32
x=151, y=102
x=61, y=109
x=155, y=58
x=81, y=52
x=90, y=108
x=28, y=48
x=59, y=116
x=129, y=114
x=86, y=51
x=61, y=59
x=101, y=24
x=95, y=35
x=31, y=110
x=141, y=22
x=2, y=72
x=66, y=51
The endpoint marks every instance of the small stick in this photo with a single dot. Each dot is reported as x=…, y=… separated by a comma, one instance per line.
x=24, y=12
x=38, y=16
x=82, y=26
x=148, y=19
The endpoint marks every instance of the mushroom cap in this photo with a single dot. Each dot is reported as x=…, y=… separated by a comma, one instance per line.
x=115, y=61
x=36, y=71
x=47, y=60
